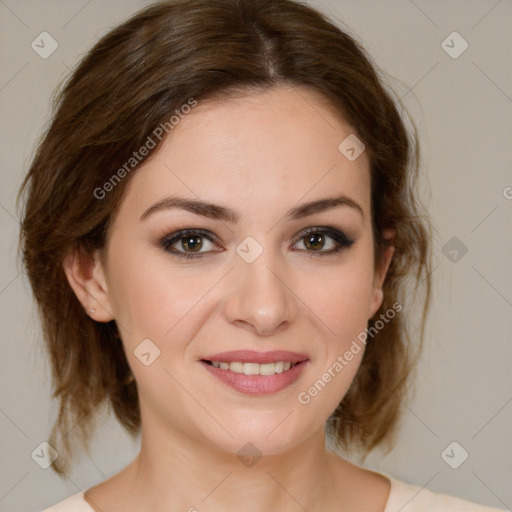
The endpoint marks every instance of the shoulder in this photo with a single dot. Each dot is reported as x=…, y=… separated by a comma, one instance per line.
x=75, y=503
x=405, y=497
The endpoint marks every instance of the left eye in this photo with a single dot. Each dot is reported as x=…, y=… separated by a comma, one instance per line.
x=316, y=241
x=324, y=241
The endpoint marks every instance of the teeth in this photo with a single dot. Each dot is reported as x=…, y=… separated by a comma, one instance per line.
x=254, y=368
x=266, y=369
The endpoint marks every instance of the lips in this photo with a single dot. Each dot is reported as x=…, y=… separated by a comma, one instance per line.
x=245, y=381
x=252, y=356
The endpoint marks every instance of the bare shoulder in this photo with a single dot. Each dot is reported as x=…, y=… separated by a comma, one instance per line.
x=74, y=503
x=100, y=496
x=413, y=498
x=106, y=495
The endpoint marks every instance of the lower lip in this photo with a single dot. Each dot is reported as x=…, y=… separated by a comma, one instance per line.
x=257, y=384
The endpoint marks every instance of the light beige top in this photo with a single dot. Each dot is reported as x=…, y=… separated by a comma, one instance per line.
x=402, y=498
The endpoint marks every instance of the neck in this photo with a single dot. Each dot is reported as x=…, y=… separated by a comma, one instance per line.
x=178, y=472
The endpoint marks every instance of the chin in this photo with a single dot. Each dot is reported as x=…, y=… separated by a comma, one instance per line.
x=268, y=436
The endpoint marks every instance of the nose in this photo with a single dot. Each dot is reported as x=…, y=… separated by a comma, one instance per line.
x=260, y=299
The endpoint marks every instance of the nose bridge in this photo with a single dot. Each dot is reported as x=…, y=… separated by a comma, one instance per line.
x=260, y=297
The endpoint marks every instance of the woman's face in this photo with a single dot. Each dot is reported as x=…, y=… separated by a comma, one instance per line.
x=277, y=256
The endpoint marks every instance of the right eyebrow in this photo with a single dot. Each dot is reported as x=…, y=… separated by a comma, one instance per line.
x=205, y=209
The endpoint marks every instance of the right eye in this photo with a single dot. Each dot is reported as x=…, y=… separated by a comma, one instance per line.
x=188, y=243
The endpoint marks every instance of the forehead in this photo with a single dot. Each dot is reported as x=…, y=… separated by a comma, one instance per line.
x=273, y=147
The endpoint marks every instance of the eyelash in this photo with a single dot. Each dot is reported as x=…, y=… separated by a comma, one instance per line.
x=344, y=242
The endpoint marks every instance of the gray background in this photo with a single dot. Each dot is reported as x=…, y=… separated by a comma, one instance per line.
x=463, y=108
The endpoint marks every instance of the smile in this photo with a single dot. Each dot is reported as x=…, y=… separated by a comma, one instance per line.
x=253, y=368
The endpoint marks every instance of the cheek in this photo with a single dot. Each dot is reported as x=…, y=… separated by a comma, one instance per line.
x=341, y=298
x=156, y=300
x=151, y=299
x=146, y=302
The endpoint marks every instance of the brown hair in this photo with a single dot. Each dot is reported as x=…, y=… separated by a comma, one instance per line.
x=131, y=82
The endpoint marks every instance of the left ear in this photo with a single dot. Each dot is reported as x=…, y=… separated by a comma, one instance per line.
x=380, y=274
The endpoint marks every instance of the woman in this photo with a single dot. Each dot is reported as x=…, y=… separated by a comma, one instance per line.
x=219, y=227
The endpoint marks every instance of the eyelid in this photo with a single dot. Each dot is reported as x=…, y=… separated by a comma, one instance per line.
x=325, y=230
x=190, y=231
x=343, y=240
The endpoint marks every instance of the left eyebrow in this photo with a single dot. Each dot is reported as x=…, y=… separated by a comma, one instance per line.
x=218, y=212
x=322, y=205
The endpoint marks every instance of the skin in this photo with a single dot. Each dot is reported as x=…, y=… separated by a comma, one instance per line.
x=259, y=155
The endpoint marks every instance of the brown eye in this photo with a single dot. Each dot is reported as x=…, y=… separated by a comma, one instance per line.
x=314, y=241
x=323, y=241
x=192, y=243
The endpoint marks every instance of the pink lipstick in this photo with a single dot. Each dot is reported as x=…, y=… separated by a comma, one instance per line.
x=256, y=373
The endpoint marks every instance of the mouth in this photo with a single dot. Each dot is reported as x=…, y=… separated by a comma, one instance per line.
x=256, y=373
x=253, y=368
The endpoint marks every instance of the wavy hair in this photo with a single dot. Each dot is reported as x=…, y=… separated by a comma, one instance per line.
x=132, y=80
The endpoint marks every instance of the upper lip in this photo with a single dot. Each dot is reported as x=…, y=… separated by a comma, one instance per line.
x=252, y=356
